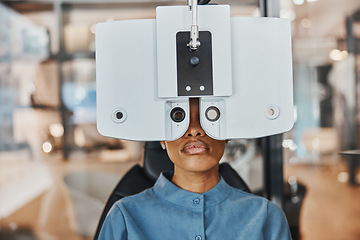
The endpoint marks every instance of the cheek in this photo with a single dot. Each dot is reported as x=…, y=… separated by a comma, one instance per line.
x=173, y=155
x=173, y=150
x=218, y=150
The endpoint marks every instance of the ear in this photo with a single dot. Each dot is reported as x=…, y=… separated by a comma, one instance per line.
x=162, y=143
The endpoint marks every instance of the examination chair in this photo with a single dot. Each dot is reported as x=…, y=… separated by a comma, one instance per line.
x=156, y=160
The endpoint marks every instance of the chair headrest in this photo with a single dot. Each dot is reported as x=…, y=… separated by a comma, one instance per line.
x=156, y=160
x=232, y=178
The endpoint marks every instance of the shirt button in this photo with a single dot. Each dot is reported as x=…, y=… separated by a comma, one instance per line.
x=197, y=201
x=198, y=237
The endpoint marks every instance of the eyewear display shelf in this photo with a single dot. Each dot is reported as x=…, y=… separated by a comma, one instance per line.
x=61, y=10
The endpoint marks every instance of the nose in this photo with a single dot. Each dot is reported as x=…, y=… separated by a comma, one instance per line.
x=194, y=129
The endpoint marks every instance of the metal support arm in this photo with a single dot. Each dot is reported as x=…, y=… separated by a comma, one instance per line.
x=194, y=33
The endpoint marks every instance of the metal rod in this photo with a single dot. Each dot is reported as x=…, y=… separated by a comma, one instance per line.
x=61, y=16
x=194, y=12
x=272, y=145
x=194, y=33
x=351, y=141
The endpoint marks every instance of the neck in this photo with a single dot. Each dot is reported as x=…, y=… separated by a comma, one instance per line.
x=197, y=182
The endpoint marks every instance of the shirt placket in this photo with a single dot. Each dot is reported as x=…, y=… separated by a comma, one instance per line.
x=198, y=203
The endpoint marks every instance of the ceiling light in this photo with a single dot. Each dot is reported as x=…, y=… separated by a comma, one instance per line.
x=56, y=130
x=47, y=147
x=337, y=55
x=298, y=2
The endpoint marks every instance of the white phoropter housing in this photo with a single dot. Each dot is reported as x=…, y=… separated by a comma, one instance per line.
x=146, y=73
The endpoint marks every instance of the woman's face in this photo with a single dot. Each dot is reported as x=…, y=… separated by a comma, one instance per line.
x=195, y=151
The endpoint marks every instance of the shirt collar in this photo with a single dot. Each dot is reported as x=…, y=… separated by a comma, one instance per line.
x=165, y=189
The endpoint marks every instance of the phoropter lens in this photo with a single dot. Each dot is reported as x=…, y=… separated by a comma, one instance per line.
x=177, y=114
x=212, y=114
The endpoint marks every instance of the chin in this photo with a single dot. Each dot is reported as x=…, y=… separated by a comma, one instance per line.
x=199, y=163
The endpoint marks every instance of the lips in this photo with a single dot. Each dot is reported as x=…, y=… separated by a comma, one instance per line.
x=197, y=147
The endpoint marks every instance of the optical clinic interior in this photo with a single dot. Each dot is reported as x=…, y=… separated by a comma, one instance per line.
x=68, y=135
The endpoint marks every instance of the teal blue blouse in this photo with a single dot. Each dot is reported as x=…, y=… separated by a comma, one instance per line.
x=166, y=211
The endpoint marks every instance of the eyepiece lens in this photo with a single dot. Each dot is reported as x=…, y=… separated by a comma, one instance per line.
x=177, y=114
x=212, y=114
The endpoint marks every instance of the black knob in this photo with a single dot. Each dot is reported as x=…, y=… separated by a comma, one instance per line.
x=119, y=115
x=194, y=61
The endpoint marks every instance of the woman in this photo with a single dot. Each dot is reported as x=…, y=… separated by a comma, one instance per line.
x=194, y=202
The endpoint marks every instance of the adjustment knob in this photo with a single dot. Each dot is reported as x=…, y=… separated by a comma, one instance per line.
x=194, y=61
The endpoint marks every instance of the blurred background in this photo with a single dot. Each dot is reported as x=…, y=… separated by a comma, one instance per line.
x=56, y=170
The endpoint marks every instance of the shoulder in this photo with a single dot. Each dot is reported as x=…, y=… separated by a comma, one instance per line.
x=271, y=209
x=267, y=214
x=275, y=212
x=276, y=225
x=142, y=197
x=254, y=203
x=132, y=203
x=245, y=196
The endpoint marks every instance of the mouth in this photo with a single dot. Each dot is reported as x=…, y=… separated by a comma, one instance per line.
x=195, y=148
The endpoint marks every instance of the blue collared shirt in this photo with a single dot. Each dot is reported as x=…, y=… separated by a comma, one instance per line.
x=166, y=211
